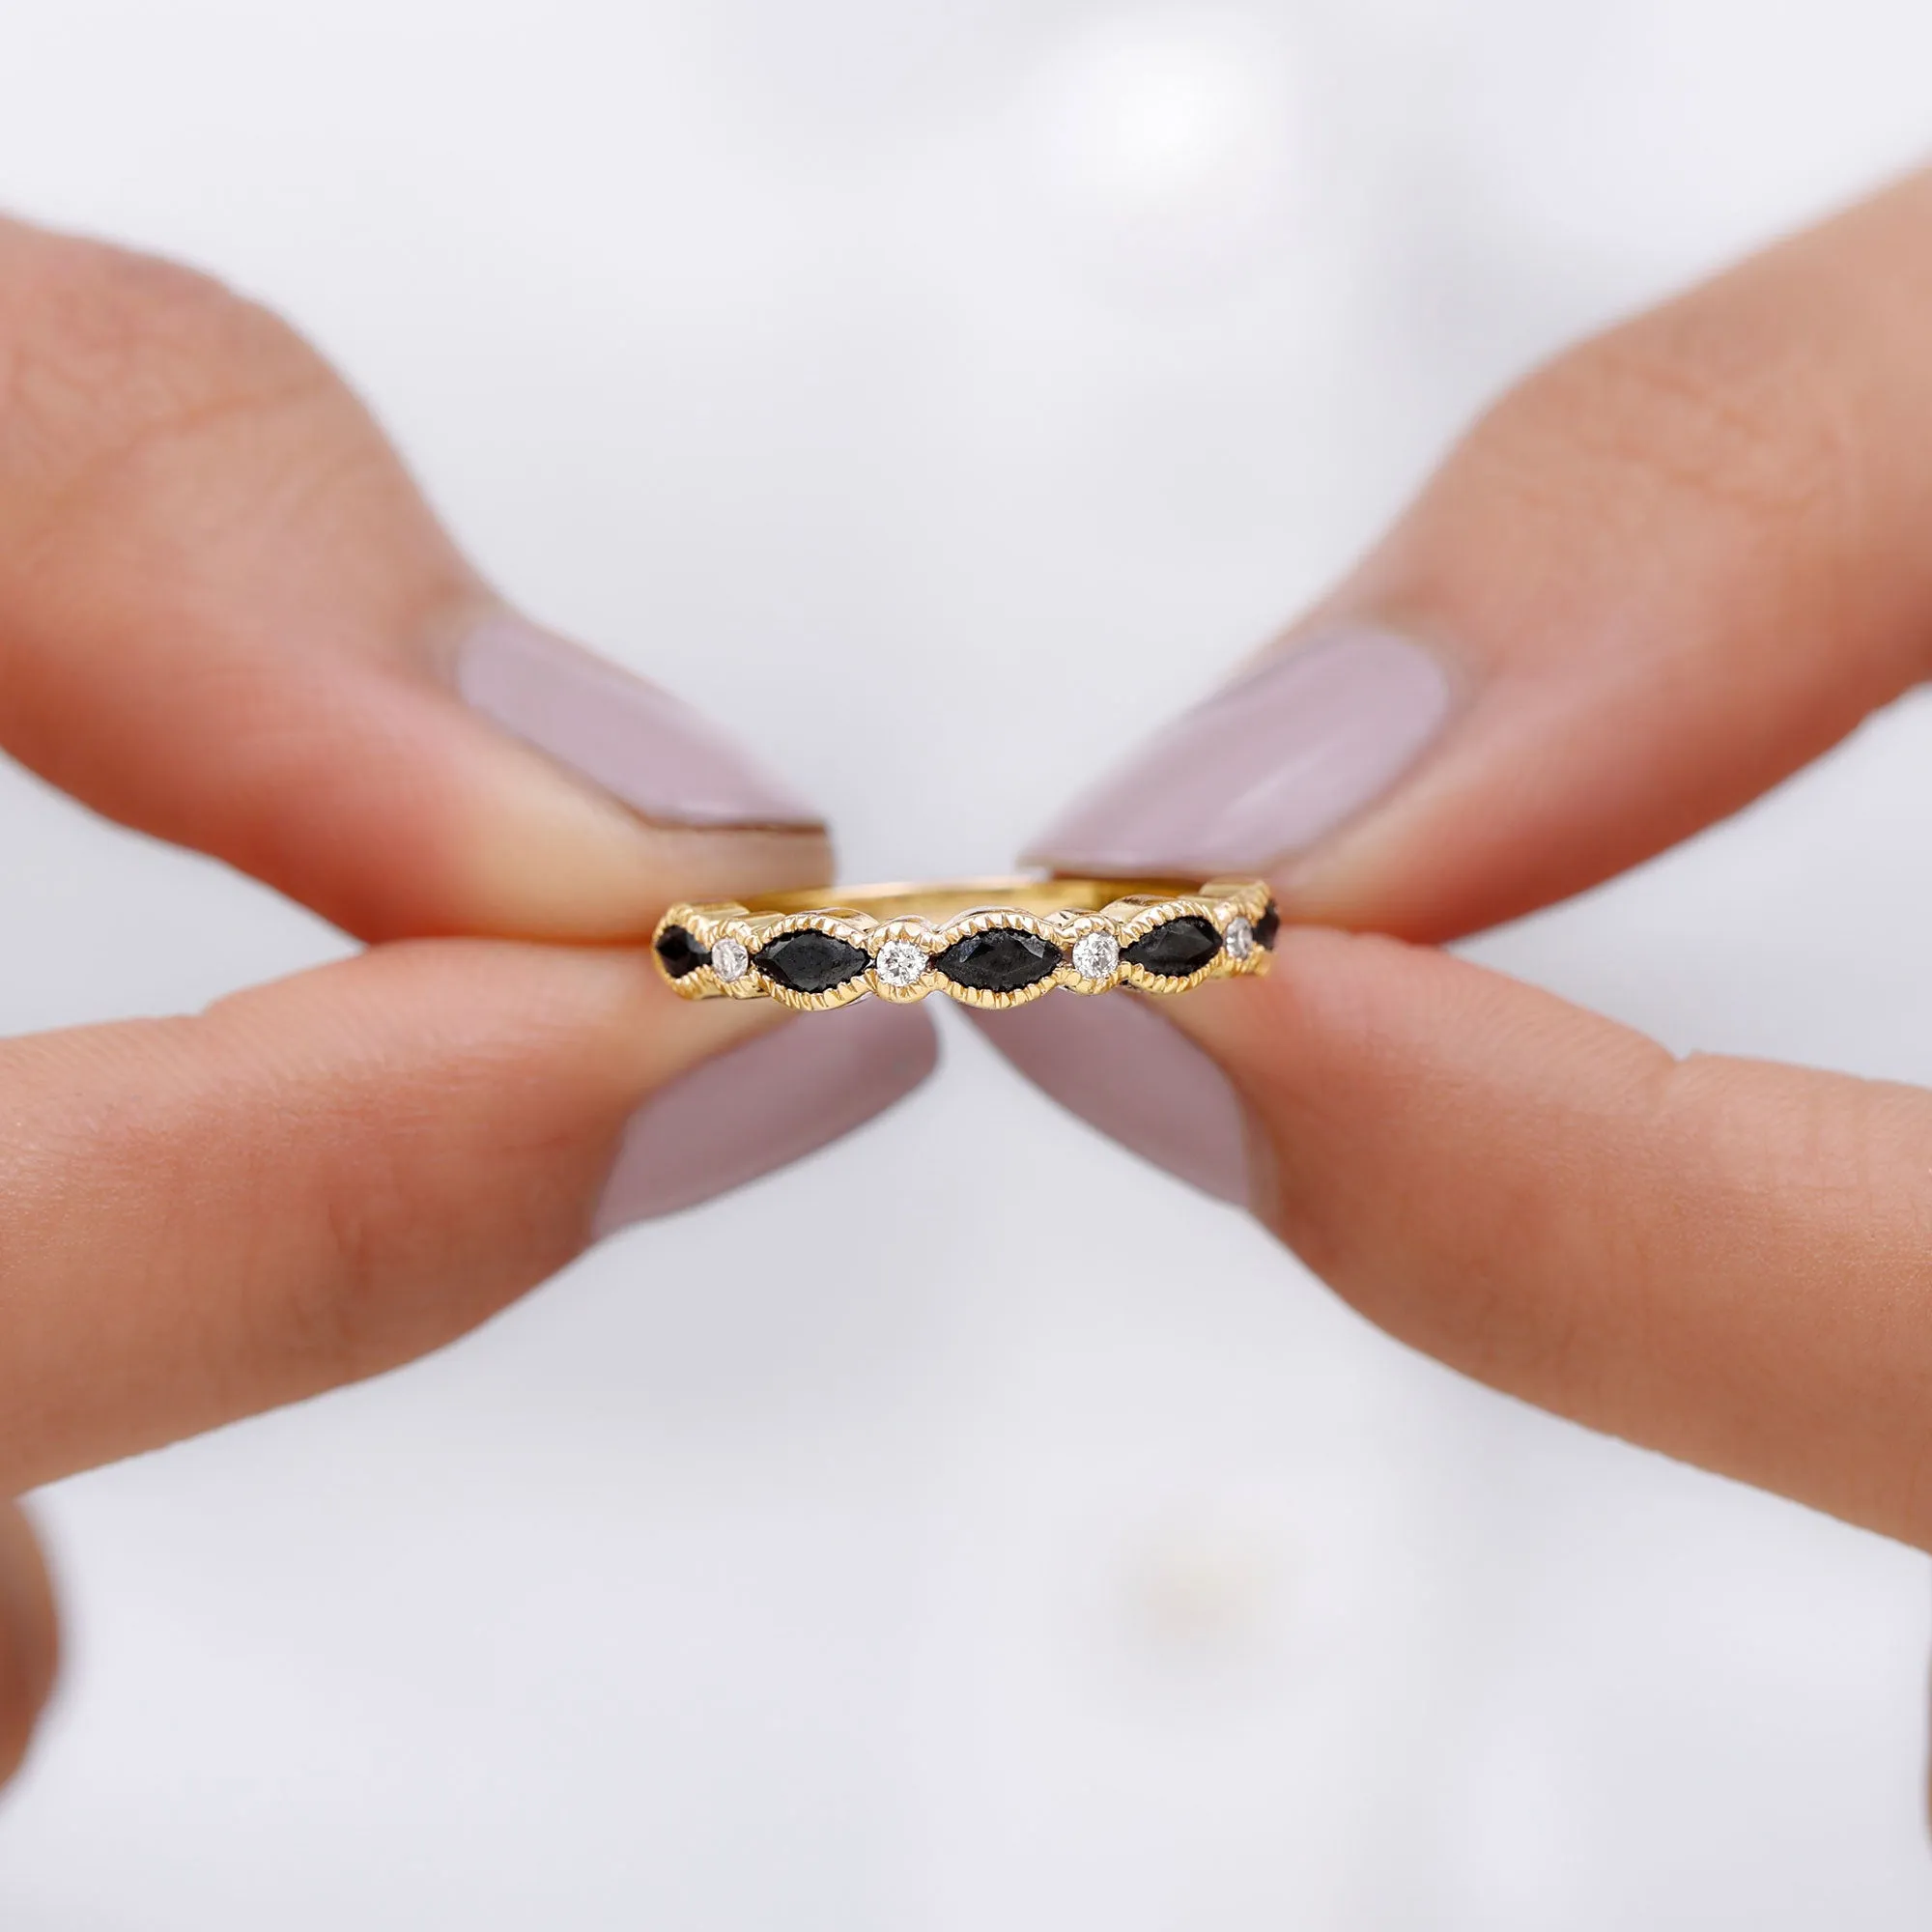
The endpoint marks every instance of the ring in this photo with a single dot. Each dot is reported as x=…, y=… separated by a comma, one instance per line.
x=987, y=943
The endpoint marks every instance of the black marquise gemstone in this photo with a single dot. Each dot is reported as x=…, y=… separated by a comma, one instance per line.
x=1174, y=950
x=809, y=962
x=680, y=953
x=1267, y=925
x=999, y=961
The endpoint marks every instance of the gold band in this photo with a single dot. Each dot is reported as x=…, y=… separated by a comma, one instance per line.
x=987, y=943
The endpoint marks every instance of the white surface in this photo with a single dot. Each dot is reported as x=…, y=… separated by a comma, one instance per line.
x=944, y=346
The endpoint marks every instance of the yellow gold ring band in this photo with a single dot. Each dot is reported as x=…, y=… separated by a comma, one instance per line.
x=989, y=942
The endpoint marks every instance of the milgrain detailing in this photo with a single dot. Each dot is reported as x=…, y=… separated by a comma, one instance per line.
x=986, y=943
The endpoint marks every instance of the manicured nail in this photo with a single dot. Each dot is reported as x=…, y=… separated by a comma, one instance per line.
x=764, y=1104
x=640, y=744
x=1122, y=1068
x=1267, y=767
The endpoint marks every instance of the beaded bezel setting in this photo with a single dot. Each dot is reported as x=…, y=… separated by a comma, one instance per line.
x=986, y=954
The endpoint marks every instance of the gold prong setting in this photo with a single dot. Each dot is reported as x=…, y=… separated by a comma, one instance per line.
x=989, y=956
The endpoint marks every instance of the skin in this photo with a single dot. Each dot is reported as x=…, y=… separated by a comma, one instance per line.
x=227, y=617
x=1703, y=533
x=1674, y=566
x=1670, y=568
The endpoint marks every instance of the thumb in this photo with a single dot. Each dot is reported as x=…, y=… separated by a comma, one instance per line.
x=1662, y=575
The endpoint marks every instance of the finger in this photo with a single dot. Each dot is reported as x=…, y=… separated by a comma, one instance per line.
x=1662, y=575
x=29, y=1636
x=315, y=1181
x=1722, y=1260
x=228, y=617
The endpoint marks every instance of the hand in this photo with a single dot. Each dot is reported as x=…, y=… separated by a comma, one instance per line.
x=1662, y=575
x=227, y=617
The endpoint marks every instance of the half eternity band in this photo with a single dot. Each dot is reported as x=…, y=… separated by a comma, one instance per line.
x=989, y=942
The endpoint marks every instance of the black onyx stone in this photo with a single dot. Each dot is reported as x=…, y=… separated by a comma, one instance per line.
x=999, y=961
x=809, y=962
x=680, y=953
x=1267, y=925
x=1174, y=950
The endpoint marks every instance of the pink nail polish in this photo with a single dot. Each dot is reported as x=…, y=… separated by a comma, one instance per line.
x=762, y=1105
x=1266, y=767
x=639, y=743
x=1122, y=1068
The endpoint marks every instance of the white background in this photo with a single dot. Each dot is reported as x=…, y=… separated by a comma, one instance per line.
x=1064, y=1558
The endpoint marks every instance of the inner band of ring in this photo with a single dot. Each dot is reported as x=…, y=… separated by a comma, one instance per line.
x=942, y=900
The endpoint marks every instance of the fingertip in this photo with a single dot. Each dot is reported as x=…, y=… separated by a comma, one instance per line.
x=642, y=746
x=29, y=1636
x=1295, y=748
x=233, y=622
x=763, y=1104
x=1116, y=1062
x=596, y=795
x=1670, y=567
x=531, y=850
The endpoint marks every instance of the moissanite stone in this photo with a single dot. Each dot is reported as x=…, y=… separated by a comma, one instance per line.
x=1239, y=939
x=680, y=953
x=899, y=962
x=729, y=960
x=1096, y=954
x=811, y=962
x=1177, y=949
x=1267, y=925
x=1003, y=960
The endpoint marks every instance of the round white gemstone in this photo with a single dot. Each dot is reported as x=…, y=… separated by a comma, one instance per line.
x=1096, y=954
x=1239, y=939
x=900, y=963
x=729, y=960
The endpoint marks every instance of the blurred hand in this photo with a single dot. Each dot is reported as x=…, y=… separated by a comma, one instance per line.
x=227, y=617
x=1659, y=577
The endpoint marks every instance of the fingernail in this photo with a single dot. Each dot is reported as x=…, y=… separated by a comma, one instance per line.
x=593, y=798
x=762, y=1105
x=1267, y=766
x=662, y=759
x=1122, y=1068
